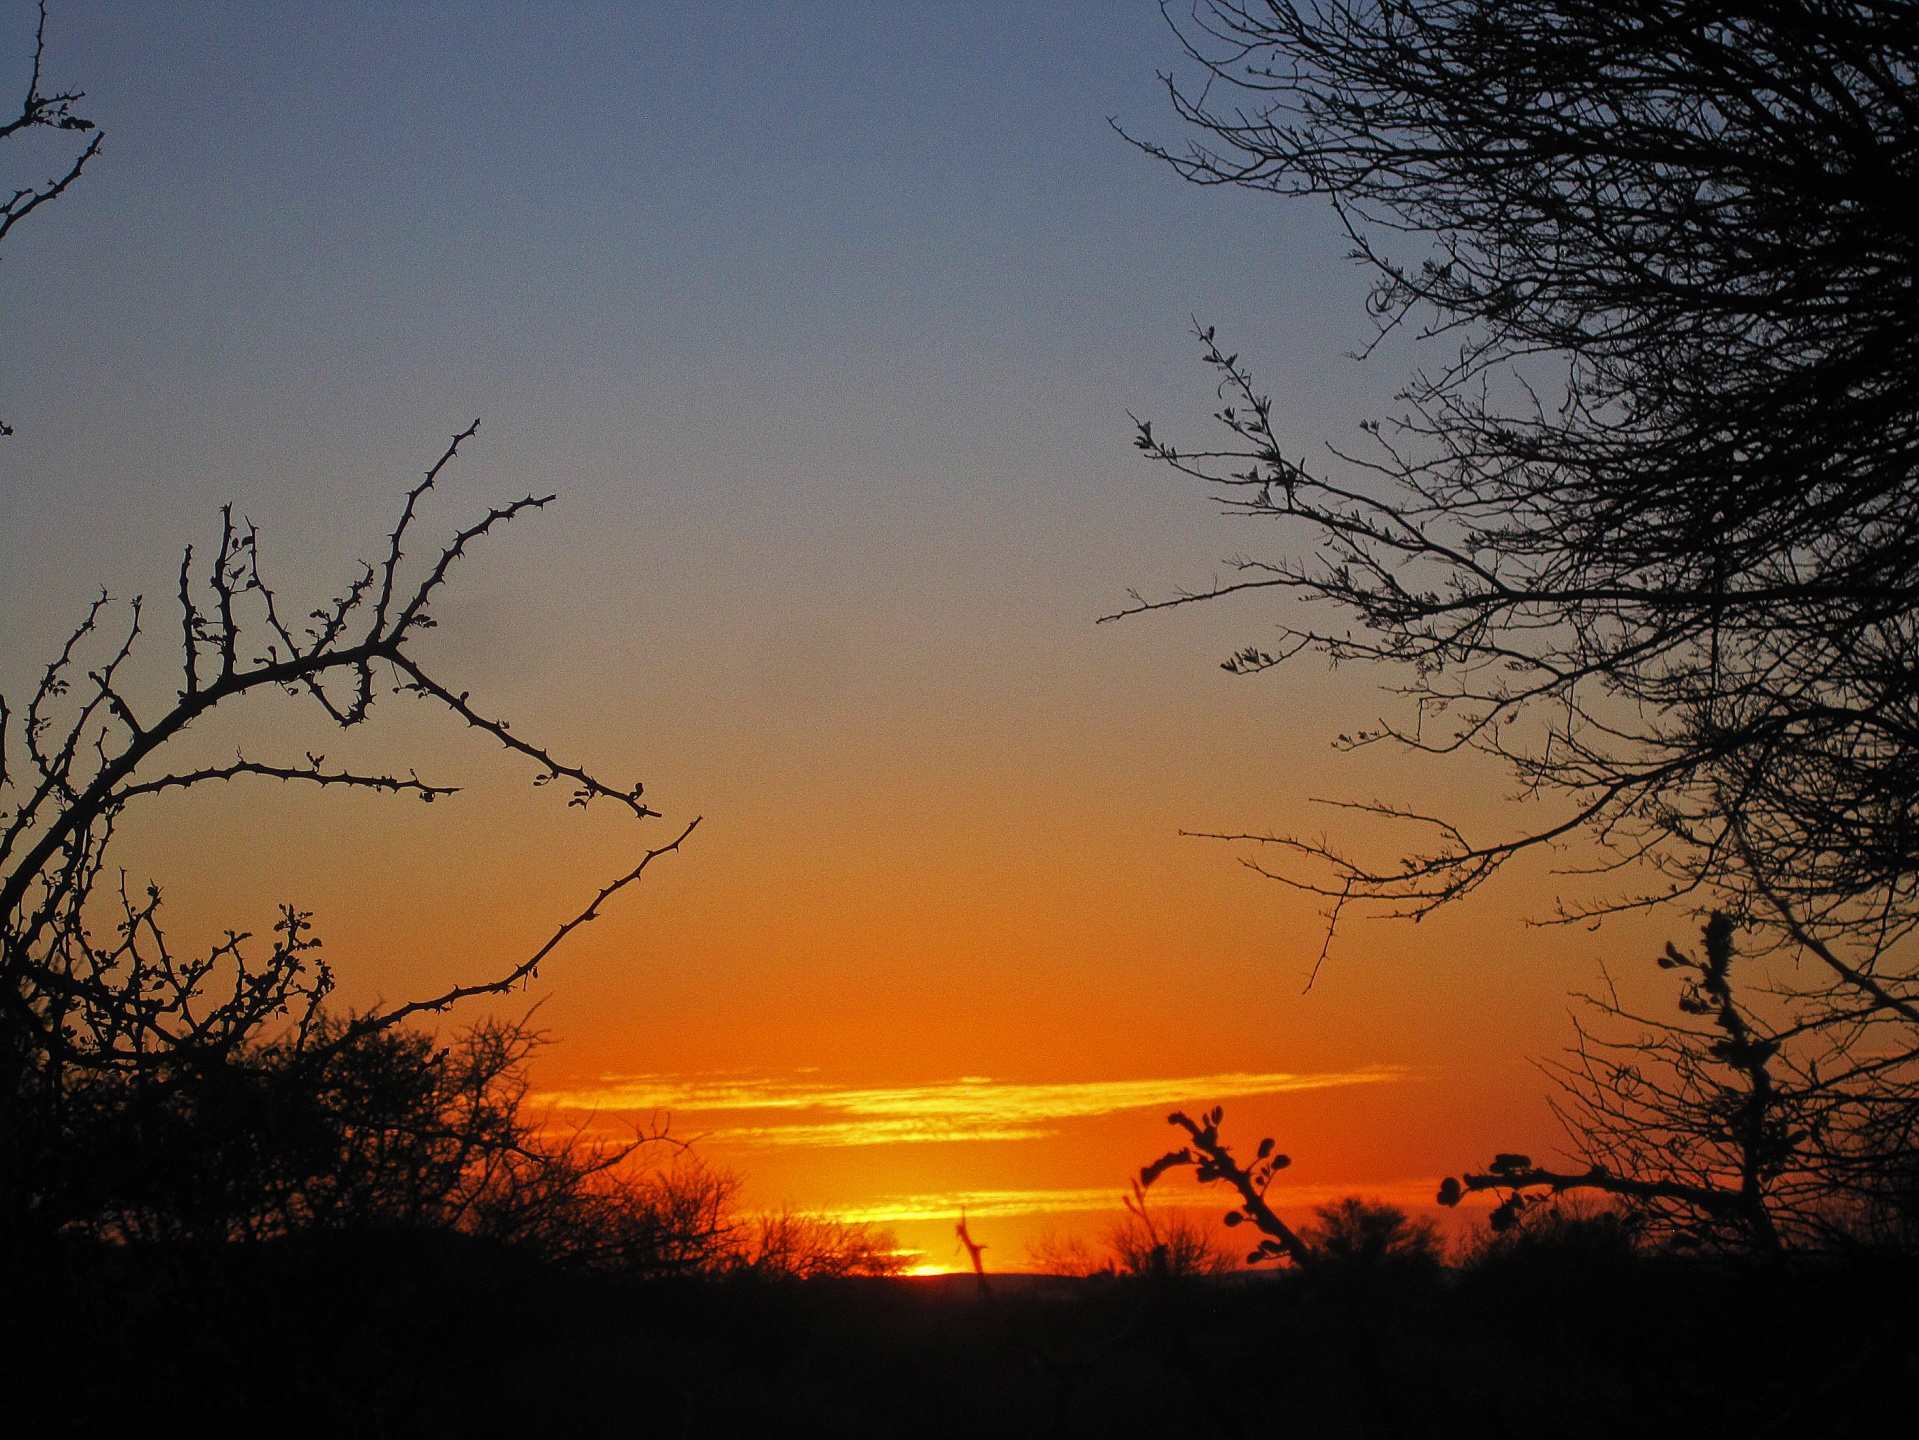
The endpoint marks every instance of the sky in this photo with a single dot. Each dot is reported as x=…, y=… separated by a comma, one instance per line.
x=825, y=322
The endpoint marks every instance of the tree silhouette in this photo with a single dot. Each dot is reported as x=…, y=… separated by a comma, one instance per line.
x=1367, y=1234
x=333, y=1132
x=149, y=1093
x=1647, y=534
x=1740, y=1126
x=94, y=1001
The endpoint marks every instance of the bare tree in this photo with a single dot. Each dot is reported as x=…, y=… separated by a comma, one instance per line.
x=677, y=1220
x=41, y=110
x=1648, y=535
x=1142, y=1242
x=1051, y=1253
x=1165, y=1243
x=1647, y=531
x=1759, y=1121
x=789, y=1244
x=93, y=997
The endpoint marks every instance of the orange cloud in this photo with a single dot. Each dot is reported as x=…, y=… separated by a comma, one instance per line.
x=803, y=1112
x=1004, y=1204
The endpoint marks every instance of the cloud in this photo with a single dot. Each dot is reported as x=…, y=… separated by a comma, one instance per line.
x=791, y=1111
x=1002, y=1204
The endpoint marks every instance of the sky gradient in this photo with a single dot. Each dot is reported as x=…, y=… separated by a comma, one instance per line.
x=825, y=322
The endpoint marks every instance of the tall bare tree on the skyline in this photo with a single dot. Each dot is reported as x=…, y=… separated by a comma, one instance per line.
x=1649, y=532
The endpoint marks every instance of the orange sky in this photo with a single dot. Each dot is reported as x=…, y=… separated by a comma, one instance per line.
x=935, y=951
x=825, y=321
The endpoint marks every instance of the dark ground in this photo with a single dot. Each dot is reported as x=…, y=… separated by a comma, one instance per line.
x=403, y=1336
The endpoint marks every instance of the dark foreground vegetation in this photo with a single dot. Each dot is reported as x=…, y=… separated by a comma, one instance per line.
x=1560, y=1330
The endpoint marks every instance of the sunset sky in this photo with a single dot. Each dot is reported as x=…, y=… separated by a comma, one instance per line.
x=825, y=322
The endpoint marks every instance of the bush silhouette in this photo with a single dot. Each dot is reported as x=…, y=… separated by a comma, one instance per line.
x=1167, y=1242
x=1359, y=1232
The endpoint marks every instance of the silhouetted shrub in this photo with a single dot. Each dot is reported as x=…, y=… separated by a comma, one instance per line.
x=1361, y=1232
x=684, y=1219
x=1168, y=1241
x=785, y=1244
x=390, y=1130
x=1070, y=1255
x=1566, y=1233
x=333, y=1129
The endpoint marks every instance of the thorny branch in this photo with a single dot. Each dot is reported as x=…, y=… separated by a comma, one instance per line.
x=44, y=111
x=89, y=986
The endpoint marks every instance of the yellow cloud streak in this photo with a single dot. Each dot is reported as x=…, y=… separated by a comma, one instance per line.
x=970, y=1108
x=1002, y=1204
x=919, y=1131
